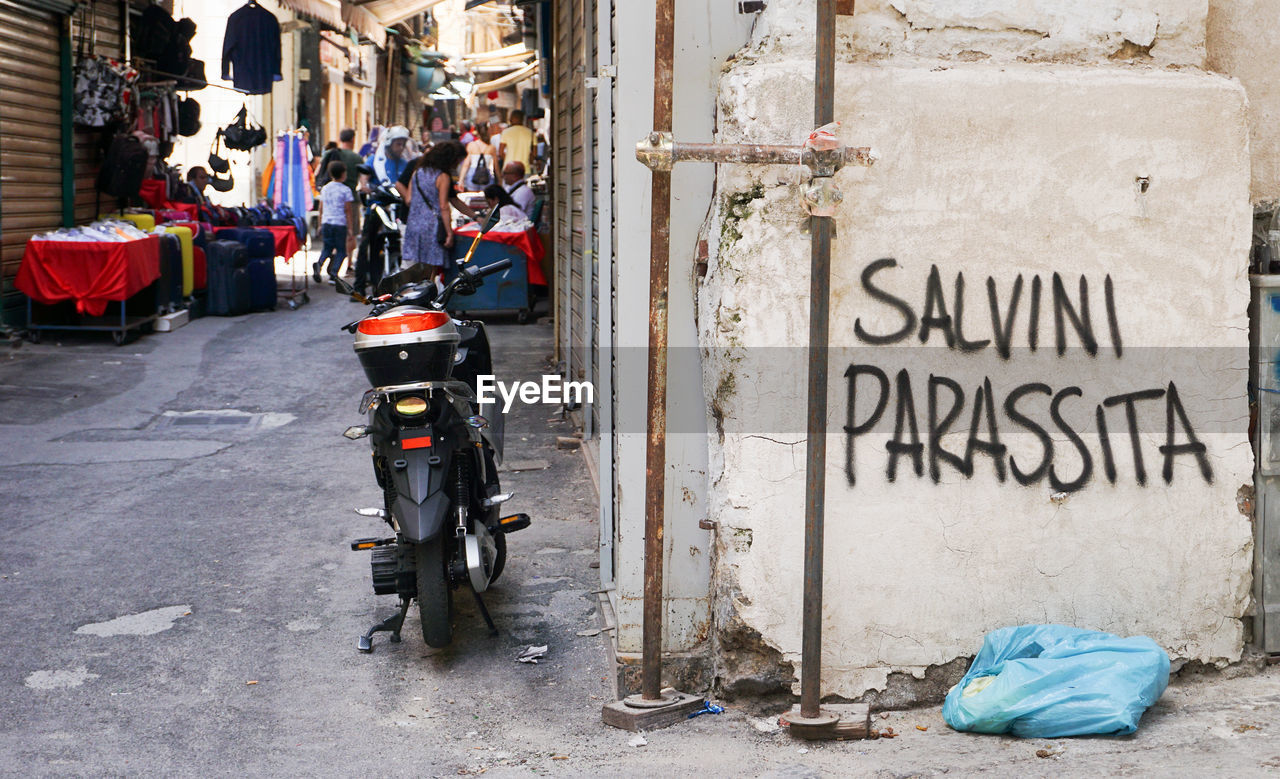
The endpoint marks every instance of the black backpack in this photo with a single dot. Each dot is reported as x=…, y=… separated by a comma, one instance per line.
x=481, y=177
x=123, y=167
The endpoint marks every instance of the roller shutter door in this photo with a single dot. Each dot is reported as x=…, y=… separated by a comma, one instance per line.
x=30, y=138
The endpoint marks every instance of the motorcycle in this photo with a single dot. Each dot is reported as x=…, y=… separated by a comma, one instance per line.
x=389, y=211
x=436, y=449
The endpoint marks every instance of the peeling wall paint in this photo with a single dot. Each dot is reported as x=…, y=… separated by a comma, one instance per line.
x=987, y=171
x=1241, y=42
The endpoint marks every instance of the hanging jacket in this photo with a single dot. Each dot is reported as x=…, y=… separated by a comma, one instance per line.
x=251, y=50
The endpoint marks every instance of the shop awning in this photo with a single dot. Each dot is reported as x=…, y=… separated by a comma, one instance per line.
x=515, y=51
x=358, y=18
x=327, y=11
x=391, y=12
x=527, y=72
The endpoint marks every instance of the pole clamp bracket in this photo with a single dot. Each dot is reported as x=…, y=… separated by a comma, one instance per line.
x=657, y=151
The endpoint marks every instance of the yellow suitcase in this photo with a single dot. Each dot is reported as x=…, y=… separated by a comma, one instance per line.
x=188, y=272
x=143, y=221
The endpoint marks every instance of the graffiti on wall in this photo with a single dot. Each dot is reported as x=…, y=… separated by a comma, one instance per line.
x=1045, y=315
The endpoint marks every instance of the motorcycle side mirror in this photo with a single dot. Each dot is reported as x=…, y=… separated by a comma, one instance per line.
x=355, y=432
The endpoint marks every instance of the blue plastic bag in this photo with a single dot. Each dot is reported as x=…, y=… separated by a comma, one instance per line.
x=1050, y=681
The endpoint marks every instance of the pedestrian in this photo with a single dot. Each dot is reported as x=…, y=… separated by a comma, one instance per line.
x=337, y=222
x=343, y=150
x=516, y=142
x=388, y=163
x=500, y=199
x=428, y=186
x=514, y=182
x=468, y=134
x=482, y=163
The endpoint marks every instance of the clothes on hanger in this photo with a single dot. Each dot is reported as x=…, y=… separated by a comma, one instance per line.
x=289, y=176
x=251, y=50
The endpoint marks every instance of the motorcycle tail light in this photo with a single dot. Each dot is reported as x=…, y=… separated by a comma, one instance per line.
x=404, y=323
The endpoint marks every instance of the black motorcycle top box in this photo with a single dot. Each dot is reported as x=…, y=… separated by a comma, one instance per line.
x=407, y=345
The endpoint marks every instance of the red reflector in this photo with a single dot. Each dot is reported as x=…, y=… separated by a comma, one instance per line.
x=417, y=443
x=403, y=323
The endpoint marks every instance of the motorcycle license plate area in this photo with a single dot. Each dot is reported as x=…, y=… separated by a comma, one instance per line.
x=415, y=439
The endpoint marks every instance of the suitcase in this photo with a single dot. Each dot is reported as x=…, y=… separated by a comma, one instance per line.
x=241, y=292
x=170, y=294
x=258, y=243
x=145, y=222
x=199, y=269
x=185, y=236
x=228, y=293
x=262, y=280
x=172, y=216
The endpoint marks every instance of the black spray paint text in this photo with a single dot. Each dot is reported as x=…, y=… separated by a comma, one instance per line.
x=920, y=448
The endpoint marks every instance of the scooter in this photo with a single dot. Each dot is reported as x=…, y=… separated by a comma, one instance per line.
x=436, y=449
x=389, y=211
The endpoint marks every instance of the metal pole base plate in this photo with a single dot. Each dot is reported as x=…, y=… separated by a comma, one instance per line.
x=835, y=722
x=635, y=713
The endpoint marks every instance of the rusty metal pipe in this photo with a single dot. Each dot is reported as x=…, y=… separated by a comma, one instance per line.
x=656, y=451
x=659, y=152
x=816, y=448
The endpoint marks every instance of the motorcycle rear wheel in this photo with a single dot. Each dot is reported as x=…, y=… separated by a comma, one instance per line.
x=435, y=597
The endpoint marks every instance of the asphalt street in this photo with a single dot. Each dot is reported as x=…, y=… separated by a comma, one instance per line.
x=179, y=599
x=179, y=596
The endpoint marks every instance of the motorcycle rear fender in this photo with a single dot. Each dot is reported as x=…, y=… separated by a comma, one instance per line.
x=422, y=506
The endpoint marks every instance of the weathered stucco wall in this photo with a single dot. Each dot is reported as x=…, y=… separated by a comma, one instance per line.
x=1159, y=32
x=1241, y=42
x=993, y=172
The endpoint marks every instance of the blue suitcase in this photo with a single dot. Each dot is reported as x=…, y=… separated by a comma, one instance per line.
x=262, y=284
x=258, y=244
x=228, y=290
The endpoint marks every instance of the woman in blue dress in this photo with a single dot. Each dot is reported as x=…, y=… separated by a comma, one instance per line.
x=428, y=183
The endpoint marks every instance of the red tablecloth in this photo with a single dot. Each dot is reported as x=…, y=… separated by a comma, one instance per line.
x=527, y=242
x=89, y=273
x=287, y=243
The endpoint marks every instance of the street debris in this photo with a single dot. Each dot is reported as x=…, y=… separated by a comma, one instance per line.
x=1053, y=750
x=803, y=750
x=567, y=442
x=589, y=633
x=532, y=654
x=638, y=740
x=254, y=681
x=766, y=724
x=922, y=728
x=1052, y=681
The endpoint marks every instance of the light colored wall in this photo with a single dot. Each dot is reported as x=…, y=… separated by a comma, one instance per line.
x=1158, y=32
x=990, y=171
x=1242, y=42
x=706, y=36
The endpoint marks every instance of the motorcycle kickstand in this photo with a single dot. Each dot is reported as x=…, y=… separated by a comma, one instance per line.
x=390, y=625
x=488, y=620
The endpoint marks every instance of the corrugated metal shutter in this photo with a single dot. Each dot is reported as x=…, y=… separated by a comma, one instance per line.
x=574, y=149
x=30, y=138
x=103, y=37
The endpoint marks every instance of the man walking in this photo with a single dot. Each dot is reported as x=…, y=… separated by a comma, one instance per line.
x=516, y=142
x=346, y=154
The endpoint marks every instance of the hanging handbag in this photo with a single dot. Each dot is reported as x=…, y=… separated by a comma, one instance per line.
x=193, y=78
x=222, y=185
x=217, y=163
x=242, y=136
x=188, y=118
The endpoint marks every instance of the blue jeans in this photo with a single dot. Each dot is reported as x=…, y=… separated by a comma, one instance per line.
x=334, y=238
